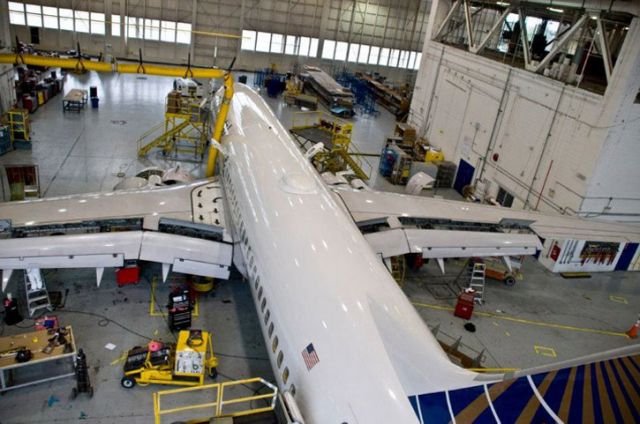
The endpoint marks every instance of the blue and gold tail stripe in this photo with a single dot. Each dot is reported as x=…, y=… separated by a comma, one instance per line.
x=601, y=392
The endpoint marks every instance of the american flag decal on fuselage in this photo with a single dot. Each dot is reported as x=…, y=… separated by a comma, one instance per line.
x=310, y=356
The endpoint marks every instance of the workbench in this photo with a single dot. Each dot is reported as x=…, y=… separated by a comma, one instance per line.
x=74, y=100
x=42, y=367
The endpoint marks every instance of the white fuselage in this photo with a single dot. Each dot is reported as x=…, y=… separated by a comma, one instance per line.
x=315, y=280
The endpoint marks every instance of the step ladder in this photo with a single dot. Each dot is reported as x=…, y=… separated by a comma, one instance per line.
x=36, y=291
x=476, y=280
x=398, y=269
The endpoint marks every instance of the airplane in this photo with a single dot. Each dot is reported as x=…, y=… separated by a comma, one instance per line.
x=345, y=344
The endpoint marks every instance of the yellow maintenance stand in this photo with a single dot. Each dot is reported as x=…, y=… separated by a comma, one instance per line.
x=185, y=131
x=184, y=363
x=310, y=128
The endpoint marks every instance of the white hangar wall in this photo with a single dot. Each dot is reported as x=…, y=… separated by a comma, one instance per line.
x=554, y=147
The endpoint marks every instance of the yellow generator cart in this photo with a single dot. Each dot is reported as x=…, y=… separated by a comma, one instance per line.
x=182, y=364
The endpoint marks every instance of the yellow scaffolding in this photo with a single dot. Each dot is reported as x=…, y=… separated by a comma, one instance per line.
x=140, y=68
x=335, y=134
x=186, y=129
x=221, y=406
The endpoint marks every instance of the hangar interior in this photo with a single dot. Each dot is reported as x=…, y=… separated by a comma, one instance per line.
x=519, y=106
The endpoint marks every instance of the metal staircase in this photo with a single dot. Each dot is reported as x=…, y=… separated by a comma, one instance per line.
x=36, y=291
x=160, y=141
x=477, y=279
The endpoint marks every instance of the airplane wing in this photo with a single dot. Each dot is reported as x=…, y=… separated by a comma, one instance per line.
x=601, y=388
x=182, y=227
x=396, y=224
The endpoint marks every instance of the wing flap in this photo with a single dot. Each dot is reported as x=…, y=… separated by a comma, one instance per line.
x=451, y=243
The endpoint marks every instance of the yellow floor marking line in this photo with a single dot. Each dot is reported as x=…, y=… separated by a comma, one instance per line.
x=496, y=370
x=618, y=299
x=120, y=359
x=545, y=351
x=526, y=321
x=153, y=303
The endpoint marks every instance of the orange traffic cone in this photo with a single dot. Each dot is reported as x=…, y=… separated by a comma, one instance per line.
x=633, y=331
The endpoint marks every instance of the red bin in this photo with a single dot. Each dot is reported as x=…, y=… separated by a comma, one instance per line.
x=128, y=275
x=464, y=307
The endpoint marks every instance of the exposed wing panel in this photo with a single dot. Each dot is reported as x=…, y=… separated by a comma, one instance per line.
x=182, y=226
x=76, y=251
x=371, y=205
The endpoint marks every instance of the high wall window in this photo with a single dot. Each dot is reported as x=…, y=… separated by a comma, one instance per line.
x=328, y=49
x=267, y=42
x=277, y=43
x=134, y=29
x=96, y=23
x=371, y=55
x=183, y=34
x=16, y=13
x=263, y=42
x=82, y=21
x=168, y=31
x=248, y=40
x=34, y=15
x=341, y=50
x=151, y=29
x=363, y=57
x=353, y=52
x=66, y=19
x=115, y=25
x=50, y=17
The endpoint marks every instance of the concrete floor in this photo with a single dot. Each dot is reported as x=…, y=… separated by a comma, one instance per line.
x=88, y=151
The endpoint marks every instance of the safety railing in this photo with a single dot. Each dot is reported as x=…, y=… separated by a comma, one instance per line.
x=227, y=399
x=360, y=159
x=322, y=120
x=150, y=135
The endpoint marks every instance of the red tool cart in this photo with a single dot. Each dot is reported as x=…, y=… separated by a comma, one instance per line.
x=464, y=307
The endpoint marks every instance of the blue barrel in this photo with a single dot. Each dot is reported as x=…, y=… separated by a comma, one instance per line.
x=94, y=102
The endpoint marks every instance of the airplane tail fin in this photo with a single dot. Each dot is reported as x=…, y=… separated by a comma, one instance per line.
x=603, y=388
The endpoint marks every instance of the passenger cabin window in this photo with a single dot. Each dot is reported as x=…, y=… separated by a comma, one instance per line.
x=266, y=316
x=270, y=329
x=280, y=358
x=260, y=293
x=264, y=304
x=292, y=390
x=274, y=345
x=285, y=375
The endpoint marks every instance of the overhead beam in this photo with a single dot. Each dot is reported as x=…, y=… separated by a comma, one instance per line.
x=469, y=24
x=447, y=18
x=525, y=40
x=603, y=46
x=492, y=31
x=561, y=42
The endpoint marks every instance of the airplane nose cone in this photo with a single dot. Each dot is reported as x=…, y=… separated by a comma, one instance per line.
x=298, y=183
